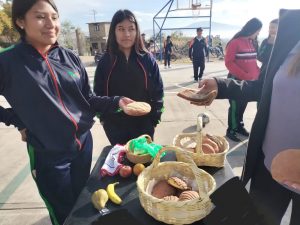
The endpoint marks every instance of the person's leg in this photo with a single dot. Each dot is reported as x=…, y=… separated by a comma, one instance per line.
x=169, y=60
x=196, y=68
x=165, y=60
x=202, y=67
x=295, y=217
x=270, y=198
x=241, y=109
x=81, y=165
x=51, y=172
x=232, y=121
x=116, y=133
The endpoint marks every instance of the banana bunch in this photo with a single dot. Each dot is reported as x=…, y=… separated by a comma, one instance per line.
x=101, y=196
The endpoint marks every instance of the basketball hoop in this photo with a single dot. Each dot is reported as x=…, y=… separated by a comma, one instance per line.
x=196, y=9
x=196, y=6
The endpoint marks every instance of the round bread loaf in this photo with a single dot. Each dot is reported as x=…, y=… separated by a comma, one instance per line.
x=286, y=166
x=162, y=189
x=137, y=108
x=207, y=149
x=188, y=195
x=210, y=142
x=171, y=198
x=177, y=183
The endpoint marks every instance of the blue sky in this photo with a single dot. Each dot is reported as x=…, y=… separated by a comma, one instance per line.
x=233, y=12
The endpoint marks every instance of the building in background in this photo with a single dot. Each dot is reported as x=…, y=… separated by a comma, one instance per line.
x=98, y=36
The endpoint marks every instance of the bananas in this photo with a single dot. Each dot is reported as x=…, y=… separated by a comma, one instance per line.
x=99, y=199
x=101, y=196
x=112, y=194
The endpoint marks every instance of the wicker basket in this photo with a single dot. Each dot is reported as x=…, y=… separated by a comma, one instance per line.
x=199, y=157
x=145, y=158
x=176, y=212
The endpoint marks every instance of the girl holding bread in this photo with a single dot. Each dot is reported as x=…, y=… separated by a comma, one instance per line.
x=128, y=69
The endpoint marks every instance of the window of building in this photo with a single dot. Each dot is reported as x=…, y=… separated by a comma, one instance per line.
x=97, y=27
x=95, y=45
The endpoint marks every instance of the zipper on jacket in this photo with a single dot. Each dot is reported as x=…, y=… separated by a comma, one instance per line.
x=145, y=74
x=108, y=77
x=60, y=99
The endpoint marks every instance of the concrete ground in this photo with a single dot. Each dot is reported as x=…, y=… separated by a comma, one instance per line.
x=20, y=203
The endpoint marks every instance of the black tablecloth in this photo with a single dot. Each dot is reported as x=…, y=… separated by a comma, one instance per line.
x=130, y=211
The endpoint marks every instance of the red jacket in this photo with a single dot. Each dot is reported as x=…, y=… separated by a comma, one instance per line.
x=240, y=59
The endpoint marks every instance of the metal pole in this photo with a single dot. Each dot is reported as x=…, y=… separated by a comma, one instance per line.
x=210, y=15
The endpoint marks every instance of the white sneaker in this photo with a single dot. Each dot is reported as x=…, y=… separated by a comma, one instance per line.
x=165, y=67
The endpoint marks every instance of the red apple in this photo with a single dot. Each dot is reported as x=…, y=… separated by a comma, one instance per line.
x=125, y=171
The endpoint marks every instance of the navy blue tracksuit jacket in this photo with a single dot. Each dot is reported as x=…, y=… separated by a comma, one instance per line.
x=52, y=97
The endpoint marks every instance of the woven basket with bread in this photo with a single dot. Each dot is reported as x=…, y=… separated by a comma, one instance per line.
x=205, y=149
x=161, y=202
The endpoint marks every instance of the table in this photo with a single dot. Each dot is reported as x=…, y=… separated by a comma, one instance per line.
x=83, y=213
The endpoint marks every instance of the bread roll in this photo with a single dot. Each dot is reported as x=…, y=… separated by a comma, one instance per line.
x=286, y=166
x=207, y=149
x=162, y=189
x=137, y=108
x=177, y=183
x=188, y=195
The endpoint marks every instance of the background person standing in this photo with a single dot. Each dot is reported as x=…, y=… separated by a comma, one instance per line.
x=197, y=53
x=168, y=51
x=240, y=60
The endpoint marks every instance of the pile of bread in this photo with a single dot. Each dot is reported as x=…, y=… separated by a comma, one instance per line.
x=210, y=144
x=174, y=189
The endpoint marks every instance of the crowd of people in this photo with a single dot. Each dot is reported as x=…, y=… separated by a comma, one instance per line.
x=41, y=79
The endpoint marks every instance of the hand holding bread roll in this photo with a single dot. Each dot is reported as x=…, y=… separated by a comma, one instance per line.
x=137, y=108
x=124, y=101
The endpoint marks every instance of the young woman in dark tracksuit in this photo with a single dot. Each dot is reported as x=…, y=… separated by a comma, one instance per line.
x=48, y=89
x=276, y=124
x=127, y=69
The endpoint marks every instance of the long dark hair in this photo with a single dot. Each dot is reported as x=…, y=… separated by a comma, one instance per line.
x=21, y=7
x=248, y=29
x=112, y=45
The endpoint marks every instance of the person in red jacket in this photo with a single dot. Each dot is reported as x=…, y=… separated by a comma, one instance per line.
x=240, y=60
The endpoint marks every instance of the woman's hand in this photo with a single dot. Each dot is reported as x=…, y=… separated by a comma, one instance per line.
x=124, y=101
x=206, y=86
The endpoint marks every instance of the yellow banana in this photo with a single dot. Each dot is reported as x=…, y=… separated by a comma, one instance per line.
x=112, y=194
x=99, y=199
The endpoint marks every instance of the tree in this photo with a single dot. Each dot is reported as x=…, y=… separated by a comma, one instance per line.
x=67, y=38
x=6, y=27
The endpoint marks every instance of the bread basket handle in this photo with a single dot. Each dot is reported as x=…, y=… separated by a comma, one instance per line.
x=148, y=138
x=184, y=158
